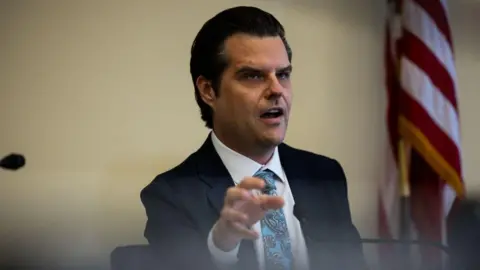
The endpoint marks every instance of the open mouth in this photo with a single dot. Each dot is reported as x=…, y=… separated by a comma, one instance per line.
x=272, y=113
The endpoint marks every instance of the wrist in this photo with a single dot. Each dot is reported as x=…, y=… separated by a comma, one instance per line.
x=222, y=239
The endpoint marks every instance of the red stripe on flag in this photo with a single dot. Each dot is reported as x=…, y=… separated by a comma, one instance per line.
x=438, y=14
x=422, y=56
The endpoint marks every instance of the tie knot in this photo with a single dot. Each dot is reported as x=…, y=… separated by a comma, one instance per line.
x=269, y=177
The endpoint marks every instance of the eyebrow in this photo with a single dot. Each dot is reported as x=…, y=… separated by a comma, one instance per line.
x=248, y=69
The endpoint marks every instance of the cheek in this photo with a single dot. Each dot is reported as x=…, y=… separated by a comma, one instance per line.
x=288, y=99
x=243, y=111
x=242, y=104
x=231, y=110
x=239, y=103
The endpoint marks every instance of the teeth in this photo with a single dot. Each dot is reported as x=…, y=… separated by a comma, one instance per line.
x=274, y=111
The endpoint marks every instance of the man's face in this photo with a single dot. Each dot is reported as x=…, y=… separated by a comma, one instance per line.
x=255, y=95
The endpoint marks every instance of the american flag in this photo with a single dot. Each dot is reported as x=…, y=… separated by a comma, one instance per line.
x=423, y=112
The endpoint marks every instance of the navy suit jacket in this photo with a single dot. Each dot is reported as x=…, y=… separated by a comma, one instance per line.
x=183, y=204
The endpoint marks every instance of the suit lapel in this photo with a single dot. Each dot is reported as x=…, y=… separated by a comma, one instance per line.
x=214, y=174
x=300, y=180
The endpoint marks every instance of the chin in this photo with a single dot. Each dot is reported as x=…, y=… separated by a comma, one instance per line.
x=274, y=138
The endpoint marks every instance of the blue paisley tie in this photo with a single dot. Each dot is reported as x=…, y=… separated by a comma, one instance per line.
x=276, y=241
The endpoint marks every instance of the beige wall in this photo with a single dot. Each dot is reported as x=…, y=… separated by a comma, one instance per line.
x=98, y=97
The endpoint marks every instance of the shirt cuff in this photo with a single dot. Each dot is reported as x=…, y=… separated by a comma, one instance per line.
x=220, y=257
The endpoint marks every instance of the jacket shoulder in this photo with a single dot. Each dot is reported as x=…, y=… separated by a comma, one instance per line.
x=164, y=180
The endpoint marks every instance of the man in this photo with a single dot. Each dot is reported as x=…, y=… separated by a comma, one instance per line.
x=230, y=205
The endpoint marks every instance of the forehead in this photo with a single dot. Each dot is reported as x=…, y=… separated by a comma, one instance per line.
x=259, y=52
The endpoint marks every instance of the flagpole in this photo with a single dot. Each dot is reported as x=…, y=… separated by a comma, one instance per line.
x=405, y=214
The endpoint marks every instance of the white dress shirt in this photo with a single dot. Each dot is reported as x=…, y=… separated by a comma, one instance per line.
x=240, y=167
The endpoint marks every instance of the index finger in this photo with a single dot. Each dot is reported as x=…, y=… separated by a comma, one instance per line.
x=250, y=183
x=236, y=194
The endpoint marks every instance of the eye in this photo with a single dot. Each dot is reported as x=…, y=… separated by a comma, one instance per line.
x=253, y=76
x=283, y=75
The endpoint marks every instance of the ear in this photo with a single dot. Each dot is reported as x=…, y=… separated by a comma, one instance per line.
x=206, y=91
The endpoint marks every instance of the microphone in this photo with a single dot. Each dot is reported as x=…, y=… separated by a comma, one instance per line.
x=12, y=162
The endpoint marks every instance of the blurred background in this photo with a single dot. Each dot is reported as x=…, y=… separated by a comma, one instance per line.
x=98, y=97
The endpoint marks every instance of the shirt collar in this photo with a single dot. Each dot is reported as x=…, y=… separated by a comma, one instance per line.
x=240, y=166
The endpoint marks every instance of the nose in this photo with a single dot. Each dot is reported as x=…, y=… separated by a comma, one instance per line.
x=275, y=88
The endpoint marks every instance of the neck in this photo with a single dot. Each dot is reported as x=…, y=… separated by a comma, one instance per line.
x=255, y=152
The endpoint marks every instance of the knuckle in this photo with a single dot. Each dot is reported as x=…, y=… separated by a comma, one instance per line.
x=225, y=212
x=232, y=191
